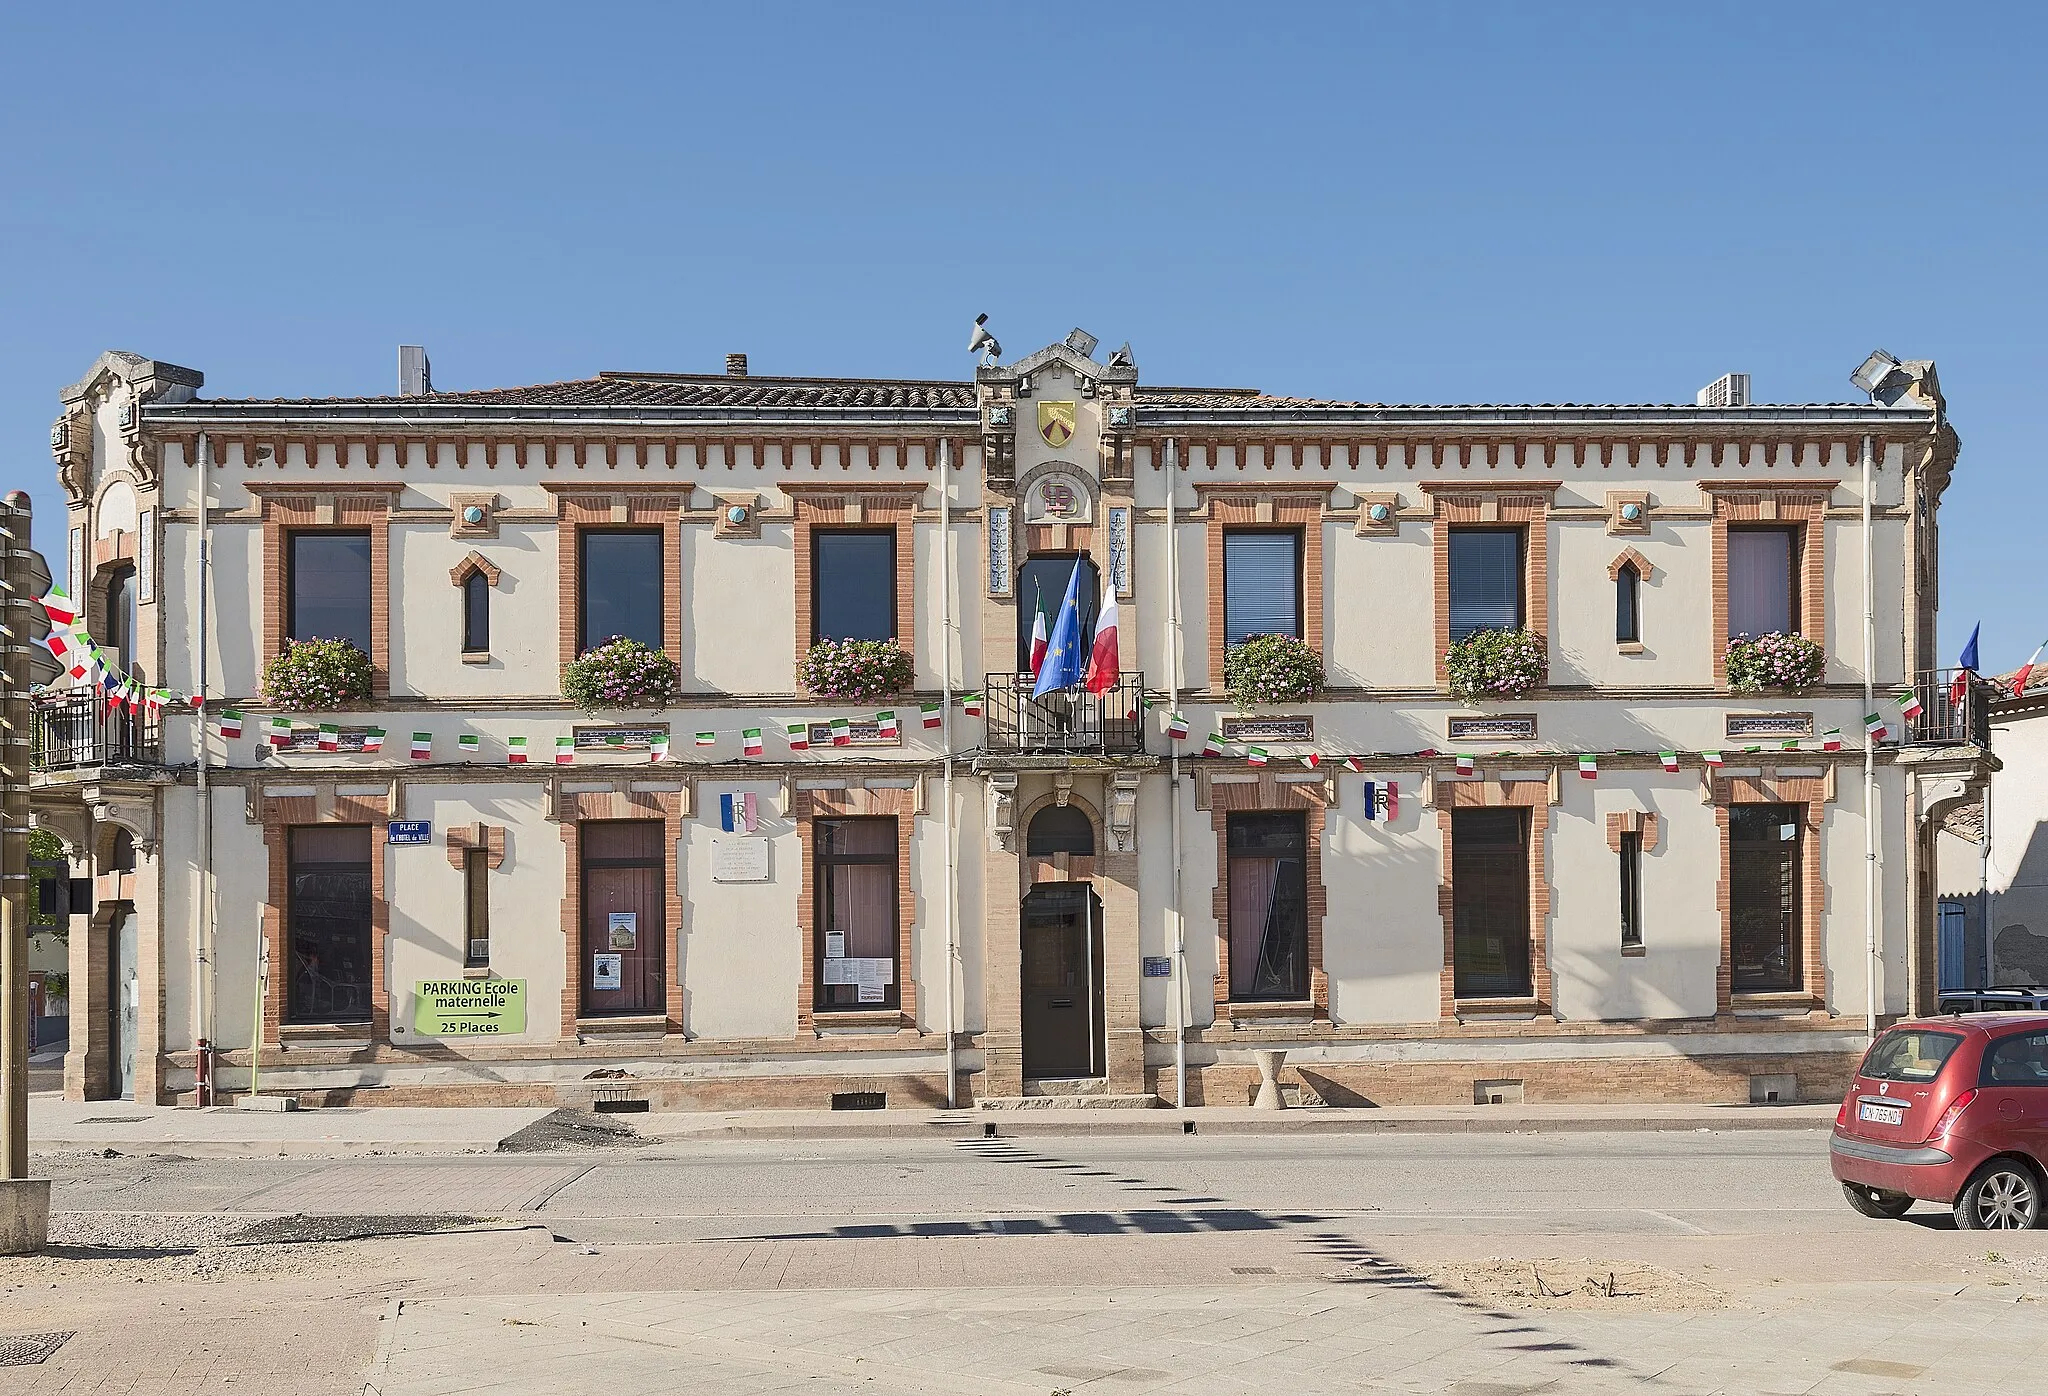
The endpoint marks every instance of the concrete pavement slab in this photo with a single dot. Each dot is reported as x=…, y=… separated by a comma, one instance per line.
x=223, y=1132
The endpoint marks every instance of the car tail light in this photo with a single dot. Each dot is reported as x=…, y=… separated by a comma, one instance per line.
x=1955, y=1108
x=1842, y=1115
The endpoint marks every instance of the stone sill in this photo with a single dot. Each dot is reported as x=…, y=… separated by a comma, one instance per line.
x=1519, y=1009
x=1767, y=1005
x=1634, y=952
x=634, y=1026
x=476, y=656
x=824, y=1021
x=291, y=1035
x=1297, y=1011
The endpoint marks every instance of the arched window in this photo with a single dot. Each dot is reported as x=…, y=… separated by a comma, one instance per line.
x=1628, y=610
x=476, y=613
x=1060, y=829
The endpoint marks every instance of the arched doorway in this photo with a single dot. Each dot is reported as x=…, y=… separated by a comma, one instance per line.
x=1061, y=973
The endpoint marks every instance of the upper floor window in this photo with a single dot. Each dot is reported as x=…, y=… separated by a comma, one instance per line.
x=1763, y=580
x=1486, y=581
x=121, y=616
x=1261, y=584
x=1628, y=605
x=327, y=589
x=853, y=585
x=619, y=586
x=476, y=896
x=1631, y=860
x=476, y=613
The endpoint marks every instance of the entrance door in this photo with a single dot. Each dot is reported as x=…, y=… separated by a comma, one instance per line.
x=125, y=1003
x=1062, y=981
x=625, y=919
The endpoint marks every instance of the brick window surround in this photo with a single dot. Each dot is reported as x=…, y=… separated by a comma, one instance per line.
x=1268, y=794
x=1270, y=506
x=1495, y=506
x=658, y=507
x=1768, y=788
x=280, y=816
x=807, y=807
x=869, y=507
x=574, y=809
x=291, y=509
x=1534, y=796
x=1803, y=504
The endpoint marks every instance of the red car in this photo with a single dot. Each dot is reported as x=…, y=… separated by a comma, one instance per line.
x=1951, y=1110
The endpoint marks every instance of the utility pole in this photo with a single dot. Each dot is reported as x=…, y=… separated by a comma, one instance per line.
x=24, y=1202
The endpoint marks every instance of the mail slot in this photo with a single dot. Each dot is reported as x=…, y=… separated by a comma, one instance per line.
x=1060, y=1003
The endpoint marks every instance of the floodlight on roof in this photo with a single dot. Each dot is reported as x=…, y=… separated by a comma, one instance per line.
x=1883, y=377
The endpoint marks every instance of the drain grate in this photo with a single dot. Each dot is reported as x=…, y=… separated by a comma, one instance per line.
x=1253, y=1270
x=115, y=1120
x=30, y=1349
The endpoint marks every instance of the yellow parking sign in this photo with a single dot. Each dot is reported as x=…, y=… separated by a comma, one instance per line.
x=468, y=1007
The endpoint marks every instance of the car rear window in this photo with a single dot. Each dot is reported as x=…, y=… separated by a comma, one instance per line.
x=1909, y=1054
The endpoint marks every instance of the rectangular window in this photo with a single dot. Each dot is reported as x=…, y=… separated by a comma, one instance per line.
x=1486, y=580
x=476, y=614
x=327, y=925
x=1490, y=903
x=327, y=588
x=1628, y=605
x=853, y=585
x=1261, y=584
x=625, y=918
x=1763, y=581
x=619, y=586
x=1631, y=889
x=476, y=889
x=854, y=962
x=1763, y=897
x=2016, y=1061
x=1268, y=884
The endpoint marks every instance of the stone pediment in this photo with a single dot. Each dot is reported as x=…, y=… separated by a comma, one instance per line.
x=152, y=379
x=1061, y=353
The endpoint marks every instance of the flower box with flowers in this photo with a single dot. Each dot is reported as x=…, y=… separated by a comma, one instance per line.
x=1491, y=666
x=1774, y=662
x=1267, y=669
x=857, y=671
x=619, y=673
x=311, y=676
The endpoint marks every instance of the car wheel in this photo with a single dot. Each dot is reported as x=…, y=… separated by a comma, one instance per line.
x=1874, y=1202
x=2003, y=1195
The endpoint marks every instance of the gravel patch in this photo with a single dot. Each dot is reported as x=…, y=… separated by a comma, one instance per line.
x=570, y=1129
x=299, y=1230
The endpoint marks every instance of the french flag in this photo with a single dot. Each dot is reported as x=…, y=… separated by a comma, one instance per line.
x=1102, y=660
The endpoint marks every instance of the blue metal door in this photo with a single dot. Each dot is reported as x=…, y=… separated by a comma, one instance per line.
x=1953, y=948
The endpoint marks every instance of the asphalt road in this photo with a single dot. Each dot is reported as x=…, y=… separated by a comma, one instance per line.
x=1721, y=1183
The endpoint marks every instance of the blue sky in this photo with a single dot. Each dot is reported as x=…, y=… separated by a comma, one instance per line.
x=1431, y=204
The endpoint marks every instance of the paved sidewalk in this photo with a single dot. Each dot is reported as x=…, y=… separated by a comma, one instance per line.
x=58, y=1124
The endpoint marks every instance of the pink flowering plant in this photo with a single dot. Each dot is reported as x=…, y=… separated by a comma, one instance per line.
x=1491, y=666
x=620, y=673
x=1267, y=669
x=855, y=670
x=1774, y=661
x=316, y=675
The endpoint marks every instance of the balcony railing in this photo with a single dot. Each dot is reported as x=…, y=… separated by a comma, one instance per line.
x=1946, y=720
x=1070, y=722
x=76, y=731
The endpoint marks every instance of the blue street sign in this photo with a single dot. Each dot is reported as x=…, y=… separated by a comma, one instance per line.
x=1158, y=967
x=409, y=831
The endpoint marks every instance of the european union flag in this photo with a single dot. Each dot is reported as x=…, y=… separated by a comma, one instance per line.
x=1063, y=658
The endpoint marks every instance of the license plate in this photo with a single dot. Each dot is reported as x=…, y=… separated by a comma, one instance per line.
x=1879, y=1113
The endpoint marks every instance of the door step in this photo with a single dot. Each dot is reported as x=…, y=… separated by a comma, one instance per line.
x=1098, y=1101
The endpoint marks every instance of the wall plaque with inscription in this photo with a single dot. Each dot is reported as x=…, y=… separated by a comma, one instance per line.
x=1508, y=727
x=1770, y=724
x=1269, y=729
x=617, y=738
x=999, y=550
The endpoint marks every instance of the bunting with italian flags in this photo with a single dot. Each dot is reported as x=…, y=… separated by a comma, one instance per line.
x=842, y=732
x=1831, y=740
x=565, y=751
x=657, y=748
x=280, y=731
x=972, y=704
x=1177, y=727
x=1312, y=760
x=1909, y=704
x=1256, y=755
x=1589, y=767
x=1352, y=763
x=705, y=739
x=231, y=724
x=330, y=737
x=934, y=715
x=1874, y=726
x=468, y=744
x=1669, y=760
x=1214, y=745
x=798, y=735
x=515, y=751
x=422, y=745
x=750, y=742
x=886, y=721
x=373, y=740
x=1712, y=758
x=1464, y=764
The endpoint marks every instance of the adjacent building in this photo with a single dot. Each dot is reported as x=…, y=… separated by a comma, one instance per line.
x=1628, y=881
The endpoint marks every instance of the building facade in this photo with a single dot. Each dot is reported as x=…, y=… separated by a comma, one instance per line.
x=1627, y=882
x=2015, y=952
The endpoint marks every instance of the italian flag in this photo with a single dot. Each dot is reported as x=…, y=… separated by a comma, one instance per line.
x=657, y=747
x=2019, y=680
x=1831, y=740
x=1214, y=746
x=57, y=602
x=1041, y=635
x=1102, y=660
x=886, y=721
x=798, y=735
x=515, y=751
x=750, y=742
x=707, y=739
x=1712, y=758
x=1464, y=764
x=1874, y=726
x=1312, y=760
x=1793, y=744
x=934, y=714
x=1352, y=763
x=842, y=731
x=1909, y=704
x=231, y=724
x=373, y=740
x=971, y=704
x=617, y=739
x=1256, y=755
x=280, y=731
x=565, y=751
x=1589, y=768
x=422, y=745
x=330, y=737
x=468, y=744
x=1177, y=726
x=1669, y=758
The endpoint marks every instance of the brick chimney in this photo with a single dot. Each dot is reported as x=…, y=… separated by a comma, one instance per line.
x=736, y=365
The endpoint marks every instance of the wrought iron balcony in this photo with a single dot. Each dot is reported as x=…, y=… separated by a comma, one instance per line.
x=75, y=730
x=1947, y=719
x=1073, y=722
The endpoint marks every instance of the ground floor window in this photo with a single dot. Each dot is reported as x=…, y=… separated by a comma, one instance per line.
x=625, y=920
x=327, y=909
x=1490, y=903
x=854, y=960
x=1763, y=898
x=1268, y=882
